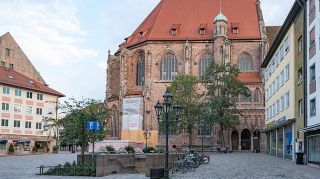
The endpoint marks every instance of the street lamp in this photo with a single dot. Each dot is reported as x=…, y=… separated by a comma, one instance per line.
x=166, y=105
x=201, y=129
x=146, y=135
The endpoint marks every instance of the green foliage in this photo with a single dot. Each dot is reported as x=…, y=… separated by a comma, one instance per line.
x=186, y=90
x=11, y=149
x=223, y=86
x=73, y=169
x=74, y=123
x=55, y=148
x=149, y=150
x=34, y=149
x=129, y=149
x=110, y=149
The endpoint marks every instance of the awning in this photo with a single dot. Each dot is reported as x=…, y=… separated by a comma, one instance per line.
x=21, y=141
x=3, y=141
x=310, y=128
x=284, y=123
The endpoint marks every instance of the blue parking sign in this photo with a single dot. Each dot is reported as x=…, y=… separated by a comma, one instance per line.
x=93, y=125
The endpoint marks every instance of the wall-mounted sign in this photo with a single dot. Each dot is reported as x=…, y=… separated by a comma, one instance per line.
x=276, y=122
x=132, y=114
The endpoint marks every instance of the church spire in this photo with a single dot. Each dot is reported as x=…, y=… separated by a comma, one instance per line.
x=220, y=16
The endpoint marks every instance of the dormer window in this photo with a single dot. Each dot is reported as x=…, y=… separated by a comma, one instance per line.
x=140, y=35
x=202, y=29
x=174, y=29
x=235, y=28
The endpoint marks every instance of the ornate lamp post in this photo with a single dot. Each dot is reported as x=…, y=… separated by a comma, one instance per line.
x=146, y=135
x=166, y=107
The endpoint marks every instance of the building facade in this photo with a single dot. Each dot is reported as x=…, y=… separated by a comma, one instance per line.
x=26, y=105
x=312, y=130
x=283, y=78
x=170, y=42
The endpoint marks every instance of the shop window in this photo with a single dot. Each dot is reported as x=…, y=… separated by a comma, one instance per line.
x=314, y=149
x=280, y=142
x=3, y=145
x=3, y=64
x=6, y=90
x=4, y=122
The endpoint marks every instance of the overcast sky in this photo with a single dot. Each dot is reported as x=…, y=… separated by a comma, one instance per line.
x=67, y=41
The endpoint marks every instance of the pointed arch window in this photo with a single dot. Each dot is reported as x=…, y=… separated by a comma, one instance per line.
x=257, y=95
x=205, y=61
x=168, y=67
x=140, y=76
x=245, y=62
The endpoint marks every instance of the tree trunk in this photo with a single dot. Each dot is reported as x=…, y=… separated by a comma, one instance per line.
x=83, y=141
x=222, y=135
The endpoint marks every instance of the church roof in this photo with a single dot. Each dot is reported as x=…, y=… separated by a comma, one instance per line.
x=187, y=16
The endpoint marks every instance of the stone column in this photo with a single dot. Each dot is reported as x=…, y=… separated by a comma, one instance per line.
x=239, y=147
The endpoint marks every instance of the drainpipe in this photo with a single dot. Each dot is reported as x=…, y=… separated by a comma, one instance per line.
x=303, y=5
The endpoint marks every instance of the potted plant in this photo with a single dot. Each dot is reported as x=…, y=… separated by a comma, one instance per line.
x=11, y=149
x=111, y=149
x=34, y=149
x=55, y=149
x=129, y=149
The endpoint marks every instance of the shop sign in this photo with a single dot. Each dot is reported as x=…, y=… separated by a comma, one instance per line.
x=21, y=137
x=276, y=122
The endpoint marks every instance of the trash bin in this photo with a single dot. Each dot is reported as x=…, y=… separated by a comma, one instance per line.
x=157, y=173
x=299, y=158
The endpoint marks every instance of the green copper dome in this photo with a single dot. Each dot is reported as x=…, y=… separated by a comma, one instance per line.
x=220, y=17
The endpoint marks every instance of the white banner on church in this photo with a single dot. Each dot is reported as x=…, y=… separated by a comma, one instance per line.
x=132, y=114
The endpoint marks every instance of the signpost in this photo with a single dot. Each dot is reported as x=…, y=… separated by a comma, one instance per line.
x=93, y=125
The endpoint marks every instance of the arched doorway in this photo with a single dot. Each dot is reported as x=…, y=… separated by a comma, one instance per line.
x=256, y=140
x=245, y=140
x=235, y=140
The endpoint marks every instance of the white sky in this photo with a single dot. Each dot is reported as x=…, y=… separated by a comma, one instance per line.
x=67, y=41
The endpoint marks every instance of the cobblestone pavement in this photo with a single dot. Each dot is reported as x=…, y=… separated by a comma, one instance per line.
x=235, y=165
x=250, y=165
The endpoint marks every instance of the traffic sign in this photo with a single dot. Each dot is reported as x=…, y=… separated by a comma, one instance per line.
x=93, y=125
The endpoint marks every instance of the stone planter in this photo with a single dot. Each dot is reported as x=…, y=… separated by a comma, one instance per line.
x=156, y=161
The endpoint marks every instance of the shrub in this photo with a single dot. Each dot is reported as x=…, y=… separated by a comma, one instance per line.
x=11, y=149
x=74, y=169
x=129, y=149
x=149, y=150
x=110, y=149
x=34, y=149
x=55, y=148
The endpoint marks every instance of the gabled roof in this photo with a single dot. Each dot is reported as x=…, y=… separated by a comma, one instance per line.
x=272, y=32
x=188, y=15
x=13, y=78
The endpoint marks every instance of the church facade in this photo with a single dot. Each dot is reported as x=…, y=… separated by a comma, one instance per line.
x=183, y=37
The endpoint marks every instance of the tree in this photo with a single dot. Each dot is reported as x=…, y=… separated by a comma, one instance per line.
x=223, y=87
x=74, y=123
x=185, y=89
